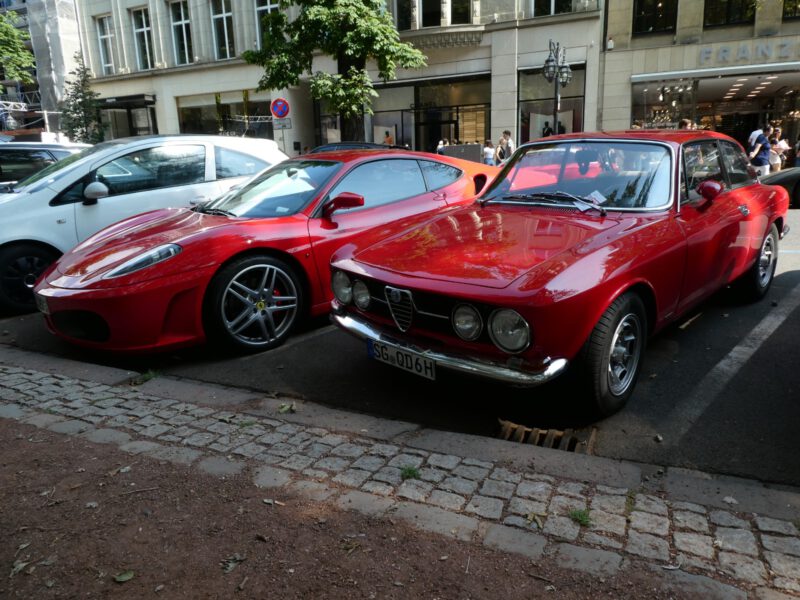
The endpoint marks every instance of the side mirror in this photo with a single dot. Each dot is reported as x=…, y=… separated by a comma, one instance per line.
x=94, y=191
x=343, y=200
x=709, y=189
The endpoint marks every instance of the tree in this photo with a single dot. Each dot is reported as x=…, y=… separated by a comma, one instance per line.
x=80, y=110
x=352, y=32
x=16, y=61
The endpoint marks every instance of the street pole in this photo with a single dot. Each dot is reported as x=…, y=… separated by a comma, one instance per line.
x=557, y=71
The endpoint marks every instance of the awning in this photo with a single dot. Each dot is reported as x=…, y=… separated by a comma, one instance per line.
x=716, y=72
x=134, y=101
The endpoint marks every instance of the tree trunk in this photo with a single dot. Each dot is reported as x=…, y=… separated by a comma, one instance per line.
x=352, y=126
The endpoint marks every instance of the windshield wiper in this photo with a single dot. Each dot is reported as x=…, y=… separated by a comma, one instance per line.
x=582, y=203
x=214, y=211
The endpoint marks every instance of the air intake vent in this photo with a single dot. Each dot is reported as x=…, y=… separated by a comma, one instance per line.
x=401, y=306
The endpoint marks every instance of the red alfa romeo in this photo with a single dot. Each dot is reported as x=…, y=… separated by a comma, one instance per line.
x=580, y=248
x=245, y=268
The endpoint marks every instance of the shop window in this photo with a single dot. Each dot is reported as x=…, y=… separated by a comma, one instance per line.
x=654, y=16
x=105, y=39
x=728, y=12
x=143, y=39
x=222, y=26
x=263, y=8
x=791, y=9
x=181, y=32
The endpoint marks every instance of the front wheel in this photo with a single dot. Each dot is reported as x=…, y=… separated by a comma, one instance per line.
x=756, y=281
x=612, y=356
x=20, y=267
x=253, y=304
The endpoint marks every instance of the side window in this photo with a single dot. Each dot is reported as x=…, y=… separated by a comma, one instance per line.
x=154, y=168
x=438, y=175
x=383, y=181
x=231, y=163
x=59, y=154
x=18, y=164
x=701, y=161
x=736, y=164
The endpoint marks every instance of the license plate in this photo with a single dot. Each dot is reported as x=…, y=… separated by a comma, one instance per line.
x=402, y=359
x=41, y=304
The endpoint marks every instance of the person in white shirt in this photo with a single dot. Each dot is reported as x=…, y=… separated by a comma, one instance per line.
x=751, y=140
x=488, y=152
x=510, y=147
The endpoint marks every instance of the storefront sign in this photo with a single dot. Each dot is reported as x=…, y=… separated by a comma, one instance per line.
x=749, y=52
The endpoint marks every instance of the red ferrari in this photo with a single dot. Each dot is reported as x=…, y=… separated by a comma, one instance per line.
x=580, y=248
x=244, y=269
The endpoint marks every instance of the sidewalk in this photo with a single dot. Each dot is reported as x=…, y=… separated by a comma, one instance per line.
x=691, y=533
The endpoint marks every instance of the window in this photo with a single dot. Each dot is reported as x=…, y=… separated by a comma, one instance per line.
x=740, y=173
x=235, y=164
x=551, y=7
x=263, y=8
x=431, y=13
x=403, y=15
x=154, y=168
x=181, y=32
x=16, y=165
x=143, y=39
x=791, y=9
x=105, y=39
x=222, y=25
x=700, y=162
x=460, y=12
x=382, y=182
x=654, y=16
x=438, y=175
x=728, y=12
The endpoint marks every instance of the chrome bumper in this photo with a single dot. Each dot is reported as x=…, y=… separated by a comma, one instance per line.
x=489, y=370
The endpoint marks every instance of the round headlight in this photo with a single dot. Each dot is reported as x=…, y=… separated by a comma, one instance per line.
x=509, y=331
x=361, y=295
x=342, y=288
x=467, y=322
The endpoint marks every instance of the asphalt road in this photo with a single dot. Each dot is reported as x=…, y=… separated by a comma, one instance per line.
x=719, y=391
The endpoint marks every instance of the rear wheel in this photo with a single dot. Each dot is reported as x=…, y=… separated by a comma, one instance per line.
x=612, y=356
x=754, y=284
x=20, y=267
x=253, y=304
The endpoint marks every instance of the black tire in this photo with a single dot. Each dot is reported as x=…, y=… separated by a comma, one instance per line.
x=20, y=267
x=612, y=356
x=244, y=312
x=754, y=284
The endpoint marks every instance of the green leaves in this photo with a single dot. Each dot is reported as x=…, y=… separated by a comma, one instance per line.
x=80, y=113
x=17, y=60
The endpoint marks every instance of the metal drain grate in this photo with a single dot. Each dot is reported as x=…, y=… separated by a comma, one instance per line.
x=580, y=441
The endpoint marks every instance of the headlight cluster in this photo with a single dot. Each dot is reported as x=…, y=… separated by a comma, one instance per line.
x=147, y=259
x=347, y=291
x=507, y=329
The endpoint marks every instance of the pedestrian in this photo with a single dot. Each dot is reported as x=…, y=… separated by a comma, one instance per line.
x=510, y=147
x=685, y=124
x=388, y=139
x=488, y=152
x=547, y=131
x=560, y=128
x=751, y=139
x=759, y=155
x=439, y=147
x=501, y=151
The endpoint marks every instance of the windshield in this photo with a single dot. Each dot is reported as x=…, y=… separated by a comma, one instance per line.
x=611, y=174
x=282, y=190
x=57, y=170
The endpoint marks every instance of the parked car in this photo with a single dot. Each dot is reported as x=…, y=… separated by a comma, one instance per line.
x=788, y=179
x=51, y=211
x=583, y=246
x=337, y=146
x=245, y=269
x=19, y=160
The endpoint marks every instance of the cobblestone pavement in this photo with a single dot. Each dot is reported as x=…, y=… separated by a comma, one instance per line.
x=590, y=526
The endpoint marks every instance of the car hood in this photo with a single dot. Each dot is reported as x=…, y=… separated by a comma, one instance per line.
x=489, y=246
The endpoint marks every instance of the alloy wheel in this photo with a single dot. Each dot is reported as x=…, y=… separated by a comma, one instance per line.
x=624, y=353
x=766, y=261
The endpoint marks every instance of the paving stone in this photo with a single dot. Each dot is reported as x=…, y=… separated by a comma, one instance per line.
x=690, y=520
x=272, y=438
x=283, y=449
x=40, y=419
x=538, y=490
x=510, y=539
x=522, y=523
x=505, y=475
x=315, y=474
x=174, y=439
x=369, y=463
x=474, y=462
x=612, y=491
x=201, y=439
x=610, y=504
x=472, y=472
x=179, y=456
x=437, y=520
x=787, y=584
x=784, y=545
x=563, y=505
x=446, y=500
x=332, y=440
x=12, y=411
x=179, y=420
x=690, y=560
x=364, y=503
x=352, y=477
x=432, y=475
x=107, y=436
x=288, y=428
x=647, y=546
x=270, y=477
x=650, y=504
x=348, y=450
x=220, y=466
x=385, y=450
x=332, y=463
x=297, y=462
x=406, y=460
x=316, y=450
x=572, y=488
x=525, y=507
x=313, y=490
x=784, y=565
x=562, y=527
x=600, y=540
x=498, y=489
x=465, y=487
x=488, y=508
x=390, y=475
x=69, y=427
x=680, y=584
x=269, y=459
x=139, y=446
x=694, y=543
x=743, y=568
x=649, y=523
x=414, y=489
x=607, y=522
x=149, y=420
x=737, y=540
x=376, y=487
x=299, y=439
x=249, y=450
x=726, y=519
x=588, y=560
x=775, y=525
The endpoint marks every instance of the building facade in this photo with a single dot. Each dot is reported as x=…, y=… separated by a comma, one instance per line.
x=729, y=65
x=172, y=66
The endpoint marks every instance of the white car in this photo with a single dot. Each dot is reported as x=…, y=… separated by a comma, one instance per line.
x=53, y=210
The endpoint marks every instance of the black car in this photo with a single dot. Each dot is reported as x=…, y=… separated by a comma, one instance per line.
x=18, y=160
x=788, y=179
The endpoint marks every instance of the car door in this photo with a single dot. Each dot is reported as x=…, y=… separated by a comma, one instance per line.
x=711, y=227
x=392, y=189
x=144, y=179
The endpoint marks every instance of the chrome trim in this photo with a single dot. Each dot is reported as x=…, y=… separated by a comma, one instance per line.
x=471, y=366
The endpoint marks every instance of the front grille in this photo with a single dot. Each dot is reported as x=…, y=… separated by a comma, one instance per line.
x=81, y=325
x=401, y=306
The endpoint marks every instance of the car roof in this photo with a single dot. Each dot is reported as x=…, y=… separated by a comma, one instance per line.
x=227, y=140
x=352, y=155
x=674, y=136
x=45, y=145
